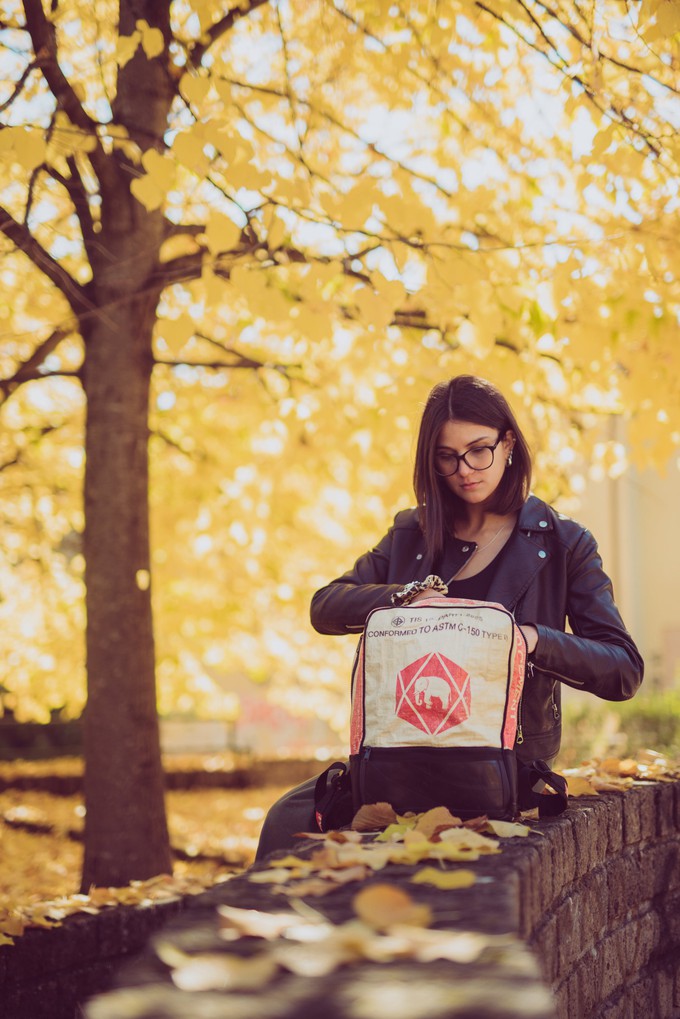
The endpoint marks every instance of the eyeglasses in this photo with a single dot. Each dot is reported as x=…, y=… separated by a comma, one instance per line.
x=479, y=458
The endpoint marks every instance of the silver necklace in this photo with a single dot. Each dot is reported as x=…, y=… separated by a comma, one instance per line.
x=480, y=548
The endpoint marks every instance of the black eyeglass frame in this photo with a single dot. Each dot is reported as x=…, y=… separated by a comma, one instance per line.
x=463, y=457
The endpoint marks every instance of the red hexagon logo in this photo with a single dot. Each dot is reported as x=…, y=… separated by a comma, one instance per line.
x=433, y=694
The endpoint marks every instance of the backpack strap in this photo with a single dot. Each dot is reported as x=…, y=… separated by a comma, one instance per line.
x=333, y=797
x=529, y=773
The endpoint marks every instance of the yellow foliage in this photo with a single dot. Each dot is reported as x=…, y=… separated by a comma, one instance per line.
x=361, y=219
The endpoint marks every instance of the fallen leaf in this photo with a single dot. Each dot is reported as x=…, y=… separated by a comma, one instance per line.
x=290, y=862
x=394, y=832
x=437, y=819
x=345, y=876
x=610, y=784
x=345, y=836
x=476, y=823
x=270, y=877
x=224, y=972
x=581, y=787
x=459, y=878
x=313, y=886
x=253, y=923
x=508, y=829
x=382, y=905
x=373, y=817
x=466, y=837
x=455, y=946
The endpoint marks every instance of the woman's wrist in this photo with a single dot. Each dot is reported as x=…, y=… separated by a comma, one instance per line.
x=531, y=636
x=409, y=592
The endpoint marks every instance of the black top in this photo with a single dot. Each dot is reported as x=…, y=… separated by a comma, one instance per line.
x=477, y=586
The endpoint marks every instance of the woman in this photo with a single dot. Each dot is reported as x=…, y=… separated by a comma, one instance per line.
x=477, y=533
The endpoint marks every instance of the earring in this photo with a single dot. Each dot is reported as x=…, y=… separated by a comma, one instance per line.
x=508, y=462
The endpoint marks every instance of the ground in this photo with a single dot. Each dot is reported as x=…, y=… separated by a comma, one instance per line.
x=214, y=832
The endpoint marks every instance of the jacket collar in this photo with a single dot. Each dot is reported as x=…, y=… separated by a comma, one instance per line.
x=524, y=555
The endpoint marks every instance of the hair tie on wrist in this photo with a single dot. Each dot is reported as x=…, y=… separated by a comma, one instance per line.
x=407, y=593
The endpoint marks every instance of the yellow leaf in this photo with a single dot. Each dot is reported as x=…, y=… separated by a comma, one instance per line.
x=508, y=829
x=153, y=43
x=581, y=787
x=221, y=233
x=224, y=972
x=148, y=193
x=194, y=89
x=160, y=167
x=177, y=331
x=253, y=923
x=187, y=148
x=270, y=877
x=126, y=47
x=291, y=862
x=448, y=879
x=394, y=832
x=383, y=905
x=151, y=190
x=25, y=145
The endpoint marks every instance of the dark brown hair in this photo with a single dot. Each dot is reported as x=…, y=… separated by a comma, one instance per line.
x=465, y=398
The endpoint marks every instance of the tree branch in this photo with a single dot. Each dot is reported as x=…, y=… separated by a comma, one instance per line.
x=18, y=88
x=22, y=237
x=30, y=369
x=44, y=39
x=611, y=109
x=78, y=194
x=220, y=28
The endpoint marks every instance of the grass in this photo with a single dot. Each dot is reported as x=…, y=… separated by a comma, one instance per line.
x=592, y=728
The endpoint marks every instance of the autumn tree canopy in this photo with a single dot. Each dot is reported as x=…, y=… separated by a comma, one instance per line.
x=266, y=228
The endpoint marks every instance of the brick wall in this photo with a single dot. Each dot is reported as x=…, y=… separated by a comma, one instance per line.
x=601, y=905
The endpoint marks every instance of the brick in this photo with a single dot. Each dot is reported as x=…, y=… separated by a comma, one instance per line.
x=666, y=800
x=639, y=814
x=568, y=997
x=590, y=968
x=588, y=840
x=613, y=812
x=545, y=944
x=623, y=874
x=563, y=854
x=663, y=992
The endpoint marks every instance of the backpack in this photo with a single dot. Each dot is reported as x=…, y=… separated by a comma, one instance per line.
x=436, y=698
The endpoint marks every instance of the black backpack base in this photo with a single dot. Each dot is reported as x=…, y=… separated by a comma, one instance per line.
x=470, y=781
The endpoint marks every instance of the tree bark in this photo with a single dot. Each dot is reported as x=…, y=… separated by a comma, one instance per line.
x=126, y=834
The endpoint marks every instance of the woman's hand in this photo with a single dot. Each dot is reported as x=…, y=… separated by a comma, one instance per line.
x=530, y=636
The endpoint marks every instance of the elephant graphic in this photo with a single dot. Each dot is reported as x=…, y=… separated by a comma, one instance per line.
x=427, y=687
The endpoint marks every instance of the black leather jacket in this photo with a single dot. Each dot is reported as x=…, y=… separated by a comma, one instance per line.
x=550, y=572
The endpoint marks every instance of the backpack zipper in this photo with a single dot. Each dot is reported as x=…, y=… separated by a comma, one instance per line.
x=519, y=738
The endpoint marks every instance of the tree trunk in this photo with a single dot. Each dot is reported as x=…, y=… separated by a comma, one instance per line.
x=126, y=833
x=126, y=836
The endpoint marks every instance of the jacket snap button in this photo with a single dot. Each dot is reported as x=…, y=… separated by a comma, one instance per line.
x=465, y=548
x=543, y=523
x=542, y=554
x=419, y=556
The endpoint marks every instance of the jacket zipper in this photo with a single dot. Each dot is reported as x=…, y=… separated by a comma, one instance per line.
x=532, y=667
